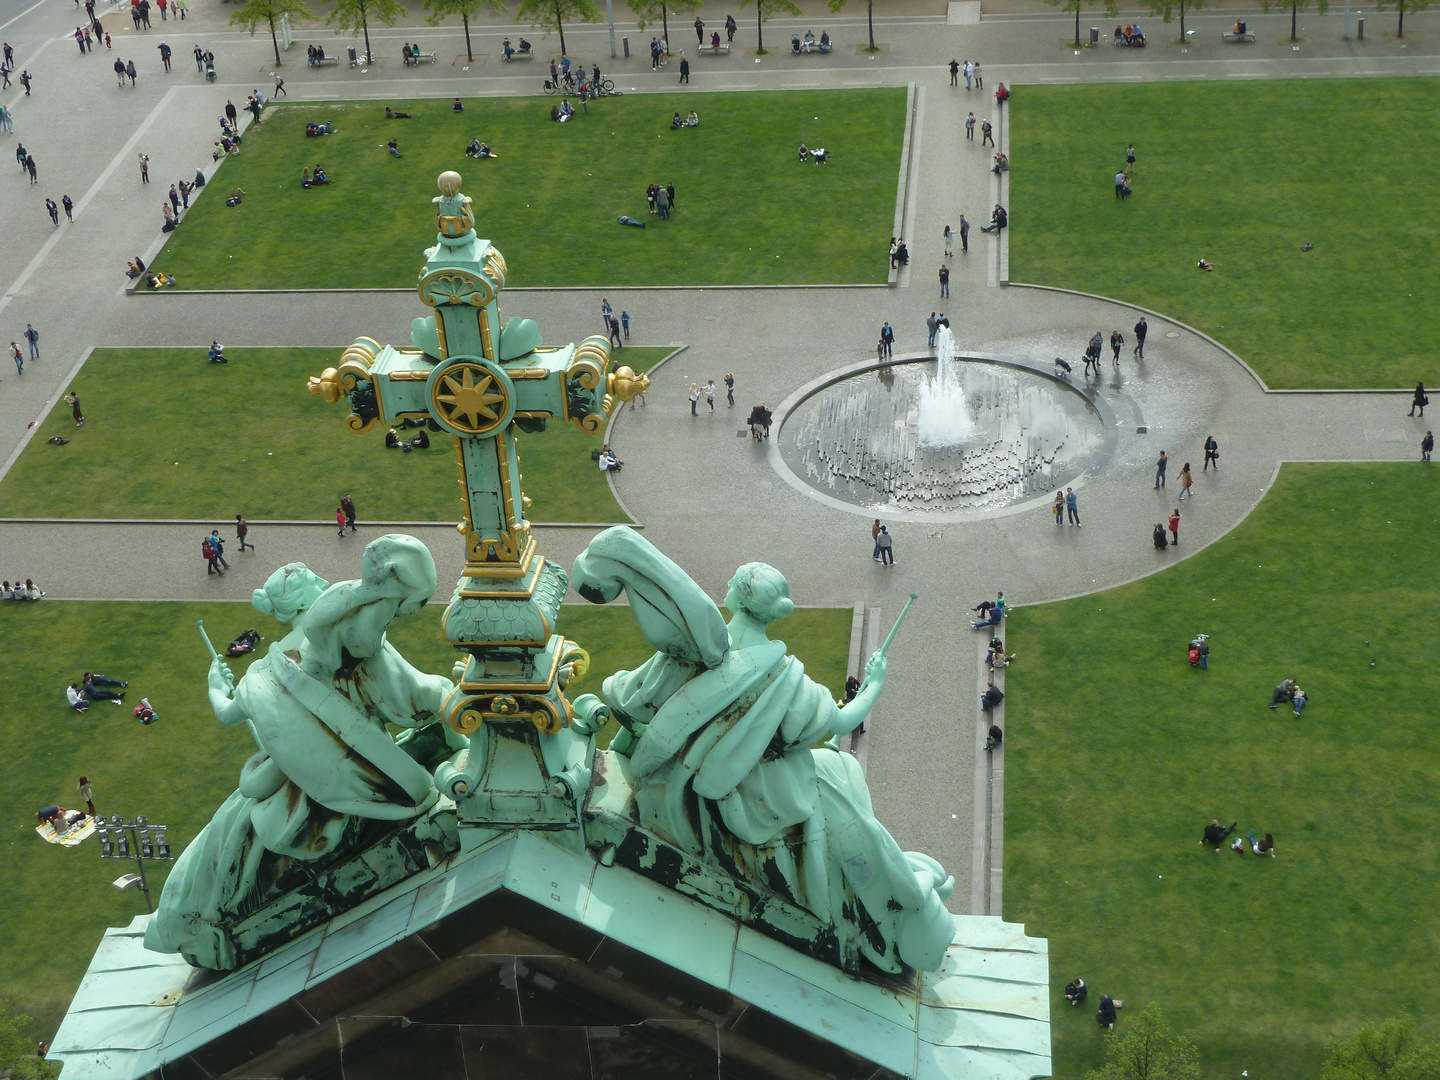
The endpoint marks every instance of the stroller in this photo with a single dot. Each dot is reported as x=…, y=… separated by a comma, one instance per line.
x=1200, y=651
x=794, y=44
x=209, y=70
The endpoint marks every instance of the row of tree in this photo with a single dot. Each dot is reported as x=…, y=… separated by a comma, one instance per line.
x=1145, y=1049
x=1166, y=10
x=355, y=16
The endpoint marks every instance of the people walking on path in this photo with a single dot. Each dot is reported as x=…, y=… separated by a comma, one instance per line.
x=242, y=530
x=1071, y=507
x=19, y=359
x=347, y=504
x=69, y=206
x=30, y=168
x=280, y=85
x=219, y=546
x=1427, y=444
x=25, y=82
x=684, y=68
x=1420, y=400
x=1175, y=526
x=1141, y=329
x=875, y=536
x=340, y=520
x=119, y=68
x=1212, y=453
x=1160, y=470
x=729, y=390
x=7, y=120
x=211, y=556
x=886, y=543
x=130, y=72
x=1117, y=340
x=710, y=394
x=165, y=55
x=987, y=133
x=53, y=209
x=1186, y=482
x=605, y=312
x=32, y=336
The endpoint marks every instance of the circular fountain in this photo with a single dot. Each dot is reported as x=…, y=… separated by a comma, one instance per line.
x=942, y=437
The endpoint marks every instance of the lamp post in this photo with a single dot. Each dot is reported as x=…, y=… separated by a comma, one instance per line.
x=138, y=840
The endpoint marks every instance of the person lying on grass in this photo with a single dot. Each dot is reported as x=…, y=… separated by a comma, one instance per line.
x=391, y=114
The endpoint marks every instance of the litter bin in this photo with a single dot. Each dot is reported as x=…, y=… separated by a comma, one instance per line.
x=627, y=47
x=1094, y=35
x=353, y=59
x=1362, y=28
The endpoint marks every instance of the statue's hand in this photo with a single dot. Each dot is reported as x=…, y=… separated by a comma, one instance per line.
x=875, y=668
x=222, y=679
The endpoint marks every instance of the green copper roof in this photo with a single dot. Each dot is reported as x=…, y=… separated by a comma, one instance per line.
x=984, y=1014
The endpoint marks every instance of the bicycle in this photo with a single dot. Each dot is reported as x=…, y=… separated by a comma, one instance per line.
x=564, y=91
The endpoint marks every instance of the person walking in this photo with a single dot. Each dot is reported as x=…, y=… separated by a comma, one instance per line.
x=1141, y=329
x=684, y=68
x=1175, y=526
x=242, y=530
x=729, y=390
x=19, y=359
x=1117, y=339
x=30, y=168
x=886, y=543
x=1212, y=453
x=932, y=324
x=130, y=71
x=347, y=504
x=53, y=209
x=615, y=331
x=964, y=235
x=1160, y=470
x=32, y=336
x=5, y=70
x=340, y=520
x=199, y=60
x=605, y=312
x=694, y=399
x=1186, y=482
x=875, y=537
x=7, y=120
x=887, y=335
x=1071, y=507
x=625, y=324
x=219, y=546
x=25, y=82
x=987, y=133
x=69, y=206
x=1059, y=508
x=280, y=85
x=144, y=164
x=86, y=794
x=970, y=127
x=119, y=67
x=710, y=394
x=207, y=552
x=165, y=54
x=944, y=281
x=1420, y=400
x=1427, y=444
x=975, y=72
x=949, y=241
x=699, y=30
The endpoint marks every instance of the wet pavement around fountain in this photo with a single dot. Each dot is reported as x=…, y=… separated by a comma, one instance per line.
x=704, y=492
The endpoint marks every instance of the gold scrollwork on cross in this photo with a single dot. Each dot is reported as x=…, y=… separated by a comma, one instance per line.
x=451, y=286
x=467, y=716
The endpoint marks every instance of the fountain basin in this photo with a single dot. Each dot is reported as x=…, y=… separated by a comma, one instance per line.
x=856, y=439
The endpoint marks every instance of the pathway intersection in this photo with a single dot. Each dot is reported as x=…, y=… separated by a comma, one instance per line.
x=710, y=500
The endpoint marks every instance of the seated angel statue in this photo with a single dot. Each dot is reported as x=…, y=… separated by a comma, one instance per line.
x=725, y=735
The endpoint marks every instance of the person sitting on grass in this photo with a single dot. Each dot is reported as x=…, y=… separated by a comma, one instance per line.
x=305, y=180
x=76, y=698
x=394, y=147
x=1105, y=1015
x=478, y=149
x=555, y=113
x=1126, y=191
x=566, y=111
x=391, y=114
x=804, y=154
x=608, y=462
x=1299, y=700
x=216, y=355
x=1283, y=693
x=1202, y=264
x=158, y=280
x=236, y=195
x=1262, y=847
x=1215, y=835
x=457, y=106
x=319, y=178
x=1075, y=992
x=676, y=122
x=693, y=120
x=243, y=644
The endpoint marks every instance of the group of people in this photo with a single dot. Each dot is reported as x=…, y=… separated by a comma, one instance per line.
x=971, y=71
x=26, y=591
x=1077, y=991
x=899, y=253
x=607, y=460
x=509, y=50
x=799, y=44
x=478, y=149
x=314, y=54
x=411, y=54
x=819, y=154
x=319, y=179
x=93, y=687
x=393, y=441
x=759, y=421
x=1215, y=835
x=661, y=199
x=212, y=550
x=1130, y=34
x=1291, y=693
x=676, y=122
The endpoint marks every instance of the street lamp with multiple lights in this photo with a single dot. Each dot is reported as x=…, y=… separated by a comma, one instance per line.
x=138, y=840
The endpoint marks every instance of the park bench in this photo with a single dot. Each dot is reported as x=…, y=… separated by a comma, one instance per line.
x=1230, y=37
x=520, y=54
x=715, y=50
x=422, y=58
x=328, y=60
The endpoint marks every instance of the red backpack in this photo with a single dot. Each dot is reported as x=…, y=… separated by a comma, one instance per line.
x=207, y=549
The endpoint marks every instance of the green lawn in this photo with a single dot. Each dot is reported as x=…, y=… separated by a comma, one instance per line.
x=55, y=902
x=746, y=212
x=1118, y=753
x=157, y=446
x=1243, y=178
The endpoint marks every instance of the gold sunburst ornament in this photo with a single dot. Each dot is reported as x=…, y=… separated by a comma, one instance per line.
x=471, y=397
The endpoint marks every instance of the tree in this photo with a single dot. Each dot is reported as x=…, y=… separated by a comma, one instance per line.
x=254, y=13
x=650, y=10
x=1385, y=1051
x=1403, y=6
x=1112, y=11
x=440, y=9
x=548, y=13
x=836, y=5
x=17, y=1049
x=764, y=9
x=1165, y=10
x=1296, y=6
x=355, y=15
x=1145, y=1050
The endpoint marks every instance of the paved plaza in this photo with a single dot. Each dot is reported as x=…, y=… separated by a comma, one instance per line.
x=708, y=498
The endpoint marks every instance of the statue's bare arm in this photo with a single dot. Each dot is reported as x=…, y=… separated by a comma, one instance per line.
x=222, y=694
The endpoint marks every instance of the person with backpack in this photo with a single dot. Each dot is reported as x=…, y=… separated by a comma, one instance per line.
x=219, y=545
x=207, y=551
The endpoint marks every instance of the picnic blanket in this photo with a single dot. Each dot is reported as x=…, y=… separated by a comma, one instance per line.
x=73, y=838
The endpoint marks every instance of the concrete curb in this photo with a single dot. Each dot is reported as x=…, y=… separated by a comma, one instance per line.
x=49, y=408
x=902, y=185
